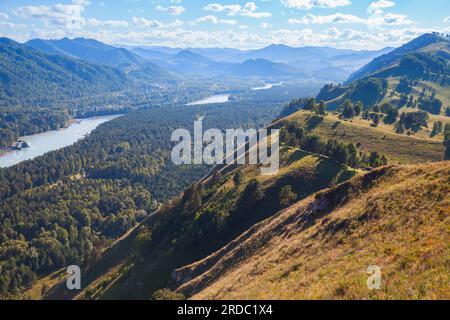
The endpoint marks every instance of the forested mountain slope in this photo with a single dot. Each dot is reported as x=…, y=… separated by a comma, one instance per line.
x=94, y=51
x=35, y=78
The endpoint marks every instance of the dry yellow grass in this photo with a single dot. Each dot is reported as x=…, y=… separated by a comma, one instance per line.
x=43, y=285
x=397, y=218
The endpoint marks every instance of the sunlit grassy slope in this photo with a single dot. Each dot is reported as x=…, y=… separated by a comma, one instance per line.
x=399, y=149
x=393, y=96
x=397, y=218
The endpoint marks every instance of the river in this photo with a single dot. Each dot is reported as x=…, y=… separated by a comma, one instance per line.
x=219, y=98
x=53, y=140
x=222, y=98
x=268, y=86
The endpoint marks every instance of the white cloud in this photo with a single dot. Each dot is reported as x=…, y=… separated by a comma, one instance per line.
x=381, y=4
x=212, y=19
x=69, y=20
x=61, y=15
x=309, y=4
x=173, y=10
x=67, y=16
x=334, y=18
x=82, y=3
x=92, y=22
x=241, y=38
x=7, y=24
x=377, y=19
x=4, y=16
x=230, y=10
x=145, y=23
x=250, y=9
x=392, y=19
x=447, y=19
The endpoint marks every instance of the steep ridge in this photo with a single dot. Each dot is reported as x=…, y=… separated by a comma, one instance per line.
x=94, y=51
x=395, y=217
x=88, y=50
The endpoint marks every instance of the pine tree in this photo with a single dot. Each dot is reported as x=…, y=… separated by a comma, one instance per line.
x=287, y=196
x=237, y=179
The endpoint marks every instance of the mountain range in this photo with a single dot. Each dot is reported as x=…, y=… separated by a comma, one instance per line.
x=306, y=62
x=150, y=63
x=89, y=50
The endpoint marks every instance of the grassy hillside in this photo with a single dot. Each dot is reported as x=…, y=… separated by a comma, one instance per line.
x=185, y=230
x=395, y=217
x=397, y=148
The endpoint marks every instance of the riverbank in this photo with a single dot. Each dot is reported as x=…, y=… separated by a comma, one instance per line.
x=18, y=145
x=42, y=143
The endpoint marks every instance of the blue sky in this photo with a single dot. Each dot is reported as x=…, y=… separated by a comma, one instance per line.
x=357, y=24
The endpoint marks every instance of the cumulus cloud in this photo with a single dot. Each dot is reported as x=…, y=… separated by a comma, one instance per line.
x=68, y=16
x=309, y=4
x=377, y=19
x=213, y=19
x=389, y=19
x=231, y=9
x=334, y=18
x=244, y=39
x=173, y=10
x=11, y=25
x=381, y=4
x=447, y=19
x=146, y=23
x=106, y=23
x=250, y=9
